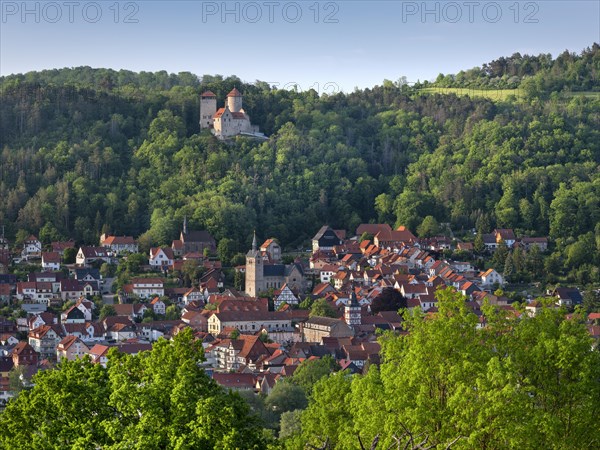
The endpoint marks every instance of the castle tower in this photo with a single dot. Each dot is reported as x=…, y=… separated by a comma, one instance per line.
x=208, y=108
x=234, y=100
x=254, y=270
x=352, y=310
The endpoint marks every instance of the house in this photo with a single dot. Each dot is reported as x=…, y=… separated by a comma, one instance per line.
x=399, y=236
x=119, y=244
x=161, y=257
x=158, y=306
x=51, y=261
x=316, y=328
x=235, y=381
x=148, y=287
x=540, y=242
x=37, y=320
x=251, y=322
x=88, y=274
x=89, y=255
x=193, y=295
x=491, y=277
x=567, y=296
x=121, y=332
x=32, y=248
x=505, y=234
x=80, y=312
x=231, y=354
x=71, y=348
x=60, y=247
x=45, y=338
x=74, y=289
x=99, y=354
x=489, y=241
x=23, y=354
x=130, y=310
x=177, y=247
x=271, y=248
x=285, y=294
x=37, y=292
x=325, y=239
x=372, y=229
x=196, y=320
x=327, y=271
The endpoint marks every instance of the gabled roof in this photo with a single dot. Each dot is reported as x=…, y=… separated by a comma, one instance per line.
x=51, y=257
x=68, y=341
x=198, y=236
x=118, y=240
x=235, y=380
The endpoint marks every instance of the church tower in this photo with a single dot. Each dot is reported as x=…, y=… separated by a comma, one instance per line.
x=234, y=100
x=352, y=310
x=254, y=270
x=208, y=108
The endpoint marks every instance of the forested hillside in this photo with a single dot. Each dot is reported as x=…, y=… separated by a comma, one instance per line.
x=85, y=150
x=539, y=74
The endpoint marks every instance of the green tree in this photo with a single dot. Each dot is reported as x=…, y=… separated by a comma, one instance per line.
x=107, y=311
x=450, y=382
x=366, y=237
x=328, y=417
x=509, y=267
x=429, y=227
x=225, y=250
x=478, y=244
x=500, y=254
x=172, y=313
x=290, y=423
x=65, y=409
x=69, y=255
x=311, y=371
x=159, y=399
x=322, y=308
x=285, y=396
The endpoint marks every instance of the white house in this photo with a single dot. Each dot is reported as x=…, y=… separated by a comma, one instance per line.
x=32, y=248
x=119, y=244
x=158, y=306
x=88, y=255
x=161, y=257
x=51, y=261
x=491, y=277
x=148, y=287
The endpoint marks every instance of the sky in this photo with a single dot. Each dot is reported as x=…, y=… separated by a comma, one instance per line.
x=324, y=45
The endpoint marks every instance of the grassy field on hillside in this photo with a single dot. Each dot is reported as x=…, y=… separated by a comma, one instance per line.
x=497, y=94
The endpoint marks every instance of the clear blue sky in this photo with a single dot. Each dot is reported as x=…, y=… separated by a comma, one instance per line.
x=348, y=43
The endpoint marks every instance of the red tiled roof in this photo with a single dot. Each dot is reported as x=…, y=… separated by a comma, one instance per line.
x=234, y=93
x=119, y=240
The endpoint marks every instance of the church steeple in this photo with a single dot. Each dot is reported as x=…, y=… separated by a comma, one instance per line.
x=352, y=310
x=254, y=244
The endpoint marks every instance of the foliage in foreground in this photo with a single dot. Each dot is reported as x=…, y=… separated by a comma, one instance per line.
x=527, y=382
x=159, y=399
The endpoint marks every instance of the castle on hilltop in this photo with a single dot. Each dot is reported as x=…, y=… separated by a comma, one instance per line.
x=229, y=121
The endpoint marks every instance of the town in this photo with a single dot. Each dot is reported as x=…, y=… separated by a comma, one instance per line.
x=276, y=313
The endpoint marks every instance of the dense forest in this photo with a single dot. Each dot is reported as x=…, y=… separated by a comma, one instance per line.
x=89, y=150
x=538, y=73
